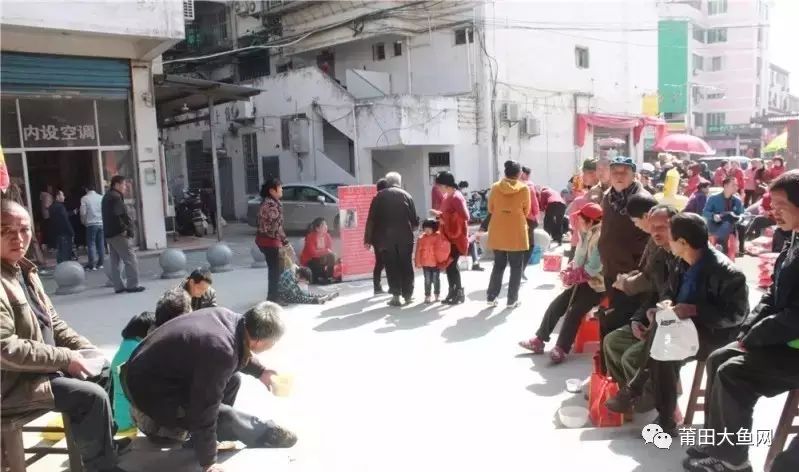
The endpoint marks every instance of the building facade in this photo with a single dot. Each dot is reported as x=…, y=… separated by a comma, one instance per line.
x=78, y=102
x=713, y=72
x=352, y=90
x=779, y=93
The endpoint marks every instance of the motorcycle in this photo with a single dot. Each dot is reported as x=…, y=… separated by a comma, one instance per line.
x=189, y=216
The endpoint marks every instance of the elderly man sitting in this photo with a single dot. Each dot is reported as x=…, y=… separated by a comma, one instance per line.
x=40, y=367
x=183, y=379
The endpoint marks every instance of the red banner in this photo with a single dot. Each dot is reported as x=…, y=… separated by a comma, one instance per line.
x=354, y=202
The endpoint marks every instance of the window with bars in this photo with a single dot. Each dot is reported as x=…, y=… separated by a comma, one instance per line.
x=716, y=7
x=717, y=35
x=464, y=35
x=379, y=51
x=581, y=57
x=249, y=146
x=716, y=63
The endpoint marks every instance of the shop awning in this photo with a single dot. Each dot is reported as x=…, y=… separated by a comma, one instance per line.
x=176, y=94
x=634, y=123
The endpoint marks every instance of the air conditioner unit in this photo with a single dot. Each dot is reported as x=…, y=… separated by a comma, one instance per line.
x=244, y=110
x=532, y=126
x=254, y=7
x=510, y=112
x=188, y=10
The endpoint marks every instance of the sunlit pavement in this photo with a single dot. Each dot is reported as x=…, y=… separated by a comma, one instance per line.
x=425, y=387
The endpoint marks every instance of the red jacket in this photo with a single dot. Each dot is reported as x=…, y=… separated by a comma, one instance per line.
x=454, y=221
x=312, y=250
x=534, y=209
x=432, y=250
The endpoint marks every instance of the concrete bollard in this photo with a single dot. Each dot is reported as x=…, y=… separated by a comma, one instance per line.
x=219, y=256
x=173, y=264
x=259, y=260
x=70, y=278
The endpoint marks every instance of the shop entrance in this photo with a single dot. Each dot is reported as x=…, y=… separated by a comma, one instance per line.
x=65, y=170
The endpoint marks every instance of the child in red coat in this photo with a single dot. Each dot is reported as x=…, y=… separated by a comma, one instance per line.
x=432, y=254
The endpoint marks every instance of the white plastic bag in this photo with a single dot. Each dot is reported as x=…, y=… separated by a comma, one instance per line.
x=675, y=339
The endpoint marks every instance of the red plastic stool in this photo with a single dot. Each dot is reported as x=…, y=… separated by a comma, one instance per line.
x=588, y=332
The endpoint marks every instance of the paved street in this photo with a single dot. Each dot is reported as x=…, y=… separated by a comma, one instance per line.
x=418, y=388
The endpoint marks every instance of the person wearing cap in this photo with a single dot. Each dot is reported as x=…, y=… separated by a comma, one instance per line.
x=453, y=218
x=621, y=243
x=585, y=285
x=602, y=172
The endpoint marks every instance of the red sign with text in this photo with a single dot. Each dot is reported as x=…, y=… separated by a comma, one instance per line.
x=354, y=202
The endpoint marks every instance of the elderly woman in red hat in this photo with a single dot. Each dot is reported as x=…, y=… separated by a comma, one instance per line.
x=584, y=288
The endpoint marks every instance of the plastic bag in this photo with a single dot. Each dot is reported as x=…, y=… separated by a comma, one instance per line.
x=601, y=390
x=675, y=339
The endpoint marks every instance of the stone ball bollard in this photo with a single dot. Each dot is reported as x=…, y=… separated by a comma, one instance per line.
x=173, y=264
x=70, y=278
x=542, y=239
x=219, y=256
x=259, y=260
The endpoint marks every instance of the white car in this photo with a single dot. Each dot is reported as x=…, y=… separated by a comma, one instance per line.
x=302, y=203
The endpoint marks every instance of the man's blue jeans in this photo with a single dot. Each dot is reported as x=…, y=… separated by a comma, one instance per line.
x=721, y=231
x=95, y=245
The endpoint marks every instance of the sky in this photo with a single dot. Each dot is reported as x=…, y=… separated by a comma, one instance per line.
x=784, y=49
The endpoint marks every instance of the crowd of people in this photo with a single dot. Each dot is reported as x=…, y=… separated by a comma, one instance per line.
x=176, y=374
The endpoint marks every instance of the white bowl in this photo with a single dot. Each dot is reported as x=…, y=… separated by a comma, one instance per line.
x=573, y=416
x=574, y=385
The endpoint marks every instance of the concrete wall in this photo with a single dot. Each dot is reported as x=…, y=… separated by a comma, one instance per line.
x=135, y=30
x=622, y=68
x=147, y=147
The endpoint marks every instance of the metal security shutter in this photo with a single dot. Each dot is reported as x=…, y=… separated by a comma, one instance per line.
x=35, y=72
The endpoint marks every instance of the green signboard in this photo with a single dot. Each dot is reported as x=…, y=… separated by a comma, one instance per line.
x=673, y=66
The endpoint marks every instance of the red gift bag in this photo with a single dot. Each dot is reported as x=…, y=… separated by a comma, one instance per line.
x=552, y=262
x=602, y=389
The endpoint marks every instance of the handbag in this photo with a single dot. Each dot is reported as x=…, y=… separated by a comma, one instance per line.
x=601, y=390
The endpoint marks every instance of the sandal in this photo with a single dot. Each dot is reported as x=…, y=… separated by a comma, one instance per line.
x=535, y=345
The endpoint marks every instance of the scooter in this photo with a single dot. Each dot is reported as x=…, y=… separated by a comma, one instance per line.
x=189, y=216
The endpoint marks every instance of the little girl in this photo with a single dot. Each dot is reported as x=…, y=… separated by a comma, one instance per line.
x=585, y=287
x=432, y=254
x=136, y=330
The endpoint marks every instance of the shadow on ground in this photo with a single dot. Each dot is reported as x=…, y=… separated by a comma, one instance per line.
x=476, y=326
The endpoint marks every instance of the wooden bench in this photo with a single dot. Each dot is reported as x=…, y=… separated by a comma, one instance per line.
x=785, y=427
x=14, y=450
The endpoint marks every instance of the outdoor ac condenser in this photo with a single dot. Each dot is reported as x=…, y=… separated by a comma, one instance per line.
x=510, y=112
x=532, y=126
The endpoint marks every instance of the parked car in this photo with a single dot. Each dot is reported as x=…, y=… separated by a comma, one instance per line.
x=714, y=162
x=302, y=204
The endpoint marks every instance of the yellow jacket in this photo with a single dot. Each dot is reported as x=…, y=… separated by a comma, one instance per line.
x=508, y=205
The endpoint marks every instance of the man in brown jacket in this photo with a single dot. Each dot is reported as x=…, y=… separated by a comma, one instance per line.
x=40, y=367
x=621, y=243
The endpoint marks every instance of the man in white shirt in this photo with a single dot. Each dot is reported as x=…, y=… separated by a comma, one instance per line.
x=91, y=214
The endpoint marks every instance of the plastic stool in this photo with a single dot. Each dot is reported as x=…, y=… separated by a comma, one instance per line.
x=588, y=332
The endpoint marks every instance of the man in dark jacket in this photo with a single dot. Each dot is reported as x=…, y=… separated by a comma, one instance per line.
x=765, y=359
x=182, y=379
x=62, y=228
x=377, y=273
x=621, y=244
x=624, y=348
x=118, y=228
x=706, y=288
x=390, y=230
